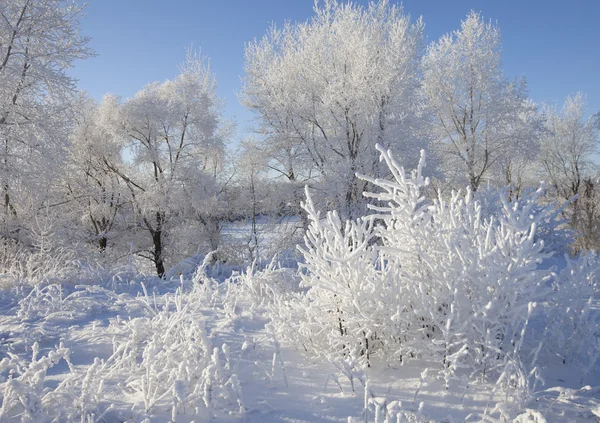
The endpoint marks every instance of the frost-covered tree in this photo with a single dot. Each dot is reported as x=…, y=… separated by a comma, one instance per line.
x=175, y=138
x=566, y=159
x=479, y=118
x=252, y=166
x=568, y=146
x=39, y=40
x=328, y=89
x=207, y=205
x=93, y=193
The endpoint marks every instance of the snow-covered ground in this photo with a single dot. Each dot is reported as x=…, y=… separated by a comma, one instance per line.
x=197, y=350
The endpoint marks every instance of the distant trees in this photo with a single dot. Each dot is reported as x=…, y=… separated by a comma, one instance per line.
x=252, y=166
x=479, y=118
x=328, y=90
x=568, y=146
x=93, y=192
x=150, y=164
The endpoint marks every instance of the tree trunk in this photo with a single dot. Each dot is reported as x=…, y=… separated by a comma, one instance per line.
x=253, y=242
x=103, y=243
x=157, y=253
x=158, y=247
x=213, y=228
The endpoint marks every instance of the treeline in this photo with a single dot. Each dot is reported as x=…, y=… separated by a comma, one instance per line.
x=157, y=176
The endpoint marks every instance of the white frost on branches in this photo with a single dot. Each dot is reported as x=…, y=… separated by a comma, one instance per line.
x=418, y=278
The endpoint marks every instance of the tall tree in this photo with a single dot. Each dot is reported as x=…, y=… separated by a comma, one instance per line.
x=479, y=118
x=93, y=193
x=327, y=90
x=567, y=150
x=39, y=40
x=252, y=168
x=175, y=135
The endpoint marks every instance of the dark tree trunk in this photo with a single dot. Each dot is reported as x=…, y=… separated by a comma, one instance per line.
x=158, y=247
x=103, y=243
x=157, y=253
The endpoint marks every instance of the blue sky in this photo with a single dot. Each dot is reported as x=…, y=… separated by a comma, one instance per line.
x=554, y=44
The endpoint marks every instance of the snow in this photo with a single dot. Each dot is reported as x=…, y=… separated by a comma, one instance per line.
x=276, y=382
x=443, y=312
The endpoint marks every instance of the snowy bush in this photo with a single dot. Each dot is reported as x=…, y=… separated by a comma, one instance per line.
x=553, y=228
x=257, y=289
x=467, y=278
x=54, y=300
x=169, y=362
x=346, y=286
x=25, y=396
x=574, y=314
x=44, y=264
x=419, y=278
x=20, y=265
x=163, y=364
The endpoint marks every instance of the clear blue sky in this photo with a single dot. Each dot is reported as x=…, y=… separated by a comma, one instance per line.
x=554, y=44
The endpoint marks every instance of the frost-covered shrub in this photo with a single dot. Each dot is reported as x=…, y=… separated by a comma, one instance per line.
x=465, y=281
x=24, y=394
x=20, y=265
x=54, y=300
x=210, y=265
x=163, y=364
x=574, y=314
x=45, y=264
x=419, y=277
x=347, y=285
x=170, y=363
x=117, y=277
x=553, y=229
x=258, y=289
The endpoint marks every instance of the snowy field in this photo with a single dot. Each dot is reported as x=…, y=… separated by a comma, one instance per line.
x=197, y=350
